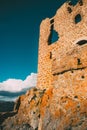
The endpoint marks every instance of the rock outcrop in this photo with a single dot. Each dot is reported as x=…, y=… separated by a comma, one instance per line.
x=52, y=109
x=26, y=111
x=59, y=102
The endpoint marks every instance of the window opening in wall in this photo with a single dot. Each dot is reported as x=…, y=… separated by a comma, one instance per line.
x=78, y=18
x=82, y=42
x=53, y=37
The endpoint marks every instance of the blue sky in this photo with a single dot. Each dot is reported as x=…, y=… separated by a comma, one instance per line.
x=19, y=35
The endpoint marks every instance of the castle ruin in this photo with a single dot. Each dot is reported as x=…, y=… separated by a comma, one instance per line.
x=63, y=62
x=60, y=100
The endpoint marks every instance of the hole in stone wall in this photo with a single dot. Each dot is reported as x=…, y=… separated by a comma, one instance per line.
x=70, y=3
x=80, y=2
x=78, y=18
x=51, y=21
x=50, y=55
x=53, y=37
x=69, y=9
x=73, y=2
x=79, y=62
x=82, y=77
x=82, y=42
x=75, y=96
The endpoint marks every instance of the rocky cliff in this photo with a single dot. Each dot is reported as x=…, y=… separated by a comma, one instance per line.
x=53, y=109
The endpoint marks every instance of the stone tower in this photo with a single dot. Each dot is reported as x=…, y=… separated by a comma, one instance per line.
x=60, y=103
x=63, y=62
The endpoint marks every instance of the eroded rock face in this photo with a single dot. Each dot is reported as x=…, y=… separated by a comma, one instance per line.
x=60, y=100
x=27, y=111
x=64, y=109
x=52, y=109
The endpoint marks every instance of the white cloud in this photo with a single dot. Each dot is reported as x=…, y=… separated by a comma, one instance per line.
x=17, y=85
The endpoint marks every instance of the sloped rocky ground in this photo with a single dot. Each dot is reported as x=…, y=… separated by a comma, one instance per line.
x=26, y=112
x=52, y=109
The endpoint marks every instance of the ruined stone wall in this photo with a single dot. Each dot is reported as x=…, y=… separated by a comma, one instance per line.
x=62, y=68
x=69, y=53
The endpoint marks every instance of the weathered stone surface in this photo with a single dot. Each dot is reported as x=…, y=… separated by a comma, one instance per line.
x=70, y=50
x=60, y=100
x=64, y=109
x=63, y=67
x=27, y=111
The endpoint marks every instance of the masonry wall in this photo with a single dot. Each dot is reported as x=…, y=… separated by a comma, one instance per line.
x=69, y=53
